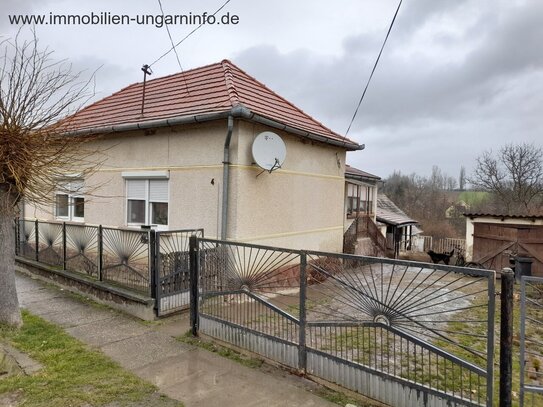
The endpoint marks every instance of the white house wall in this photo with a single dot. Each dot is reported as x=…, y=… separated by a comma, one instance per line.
x=298, y=206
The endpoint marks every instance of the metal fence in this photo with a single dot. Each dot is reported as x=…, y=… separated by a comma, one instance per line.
x=531, y=342
x=172, y=269
x=154, y=263
x=404, y=333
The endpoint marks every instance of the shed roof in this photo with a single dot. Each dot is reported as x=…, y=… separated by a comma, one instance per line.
x=352, y=172
x=502, y=216
x=200, y=94
x=389, y=213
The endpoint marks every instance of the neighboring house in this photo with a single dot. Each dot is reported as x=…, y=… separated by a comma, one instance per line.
x=456, y=210
x=494, y=239
x=183, y=160
x=360, y=192
x=398, y=228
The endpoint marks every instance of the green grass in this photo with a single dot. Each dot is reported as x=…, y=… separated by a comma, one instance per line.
x=473, y=198
x=72, y=375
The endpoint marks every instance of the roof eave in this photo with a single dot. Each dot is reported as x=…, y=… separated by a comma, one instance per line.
x=238, y=111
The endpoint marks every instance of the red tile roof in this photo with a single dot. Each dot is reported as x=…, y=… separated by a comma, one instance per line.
x=216, y=88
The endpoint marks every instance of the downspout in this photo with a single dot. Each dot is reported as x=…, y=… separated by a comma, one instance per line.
x=226, y=177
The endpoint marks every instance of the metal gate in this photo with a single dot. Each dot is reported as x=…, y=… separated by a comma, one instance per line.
x=172, y=269
x=531, y=342
x=404, y=333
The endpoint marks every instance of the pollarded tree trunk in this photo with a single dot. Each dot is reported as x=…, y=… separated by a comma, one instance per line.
x=9, y=304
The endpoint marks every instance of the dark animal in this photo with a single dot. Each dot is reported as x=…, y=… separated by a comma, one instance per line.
x=437, y=257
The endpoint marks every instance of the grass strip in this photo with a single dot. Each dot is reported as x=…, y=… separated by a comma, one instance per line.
x=72, y=375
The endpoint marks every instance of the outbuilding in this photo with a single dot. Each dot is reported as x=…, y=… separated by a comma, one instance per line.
x=495, y=240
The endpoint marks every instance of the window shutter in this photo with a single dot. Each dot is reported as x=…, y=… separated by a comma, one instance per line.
x=135, y=189
x=158, y=190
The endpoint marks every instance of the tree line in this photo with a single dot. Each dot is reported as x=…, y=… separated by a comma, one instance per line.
x=508, y=181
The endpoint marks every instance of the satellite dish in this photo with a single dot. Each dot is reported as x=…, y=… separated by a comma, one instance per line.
x=269, y=151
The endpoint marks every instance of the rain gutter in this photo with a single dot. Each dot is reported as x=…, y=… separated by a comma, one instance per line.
x=238, y=111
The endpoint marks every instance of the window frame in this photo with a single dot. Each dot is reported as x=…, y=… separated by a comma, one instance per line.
x=148, y=177
x=66, y=188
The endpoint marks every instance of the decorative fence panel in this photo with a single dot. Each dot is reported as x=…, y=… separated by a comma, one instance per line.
x=125, y=258
x=82, y=254
x=142, y=260
x=407, y=334
x=250, y=298
x=172, y=268
x=531, y=342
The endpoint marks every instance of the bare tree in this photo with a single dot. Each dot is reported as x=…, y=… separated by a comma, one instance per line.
x=36, y=95
x=514, y=176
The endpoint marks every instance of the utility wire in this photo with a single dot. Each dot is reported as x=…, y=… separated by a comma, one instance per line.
x=170, y=35
x=173, y=47
x=374, y=67
x=188, y=35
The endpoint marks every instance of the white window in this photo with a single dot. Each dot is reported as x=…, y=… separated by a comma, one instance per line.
x=70, y=201
x=147, y=202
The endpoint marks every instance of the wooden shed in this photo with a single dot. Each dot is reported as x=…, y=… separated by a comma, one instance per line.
x=492, y=239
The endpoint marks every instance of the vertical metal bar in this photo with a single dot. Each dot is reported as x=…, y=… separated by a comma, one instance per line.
x=522, y=339
x=152, y=251
x=194, y=295
x=63, y=245
x=302, y=350
x=490, y=340
x=37, y=239
x=100, y=238
x=506, y=338
x=16, y=230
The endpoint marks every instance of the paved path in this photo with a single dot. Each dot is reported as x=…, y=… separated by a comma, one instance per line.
x=183, y=372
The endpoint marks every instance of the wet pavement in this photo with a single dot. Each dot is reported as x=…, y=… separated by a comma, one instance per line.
x=183, y=372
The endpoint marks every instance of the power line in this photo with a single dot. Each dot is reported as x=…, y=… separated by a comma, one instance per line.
x=170, y=35
x=188, y=35
x=173, y=47
x=374, y=67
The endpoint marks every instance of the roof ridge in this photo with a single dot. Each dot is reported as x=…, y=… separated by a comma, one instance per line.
x=182, y=73
x=229, y=79
x=288, y=102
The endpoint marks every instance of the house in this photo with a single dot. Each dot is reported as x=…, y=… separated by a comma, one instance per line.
x=361, y=193
x=362, y=235
x=179, y=156
x=495, y=239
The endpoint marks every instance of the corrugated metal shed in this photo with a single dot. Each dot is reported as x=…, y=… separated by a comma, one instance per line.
x=390, y=214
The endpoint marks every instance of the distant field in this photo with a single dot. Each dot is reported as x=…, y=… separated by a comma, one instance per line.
x=473, y=197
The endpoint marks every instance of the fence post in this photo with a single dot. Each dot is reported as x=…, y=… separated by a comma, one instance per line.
x=153, y=264
x=506, y=337
x=63, y=245
x=16, y=230
x=302, y=350
x=194, y=291
x=100, y=243
x=37, y=239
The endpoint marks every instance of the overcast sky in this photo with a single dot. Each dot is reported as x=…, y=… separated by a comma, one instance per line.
x=457, y=77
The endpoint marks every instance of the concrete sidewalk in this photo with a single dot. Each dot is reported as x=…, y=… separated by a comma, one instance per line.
x=183, y=372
